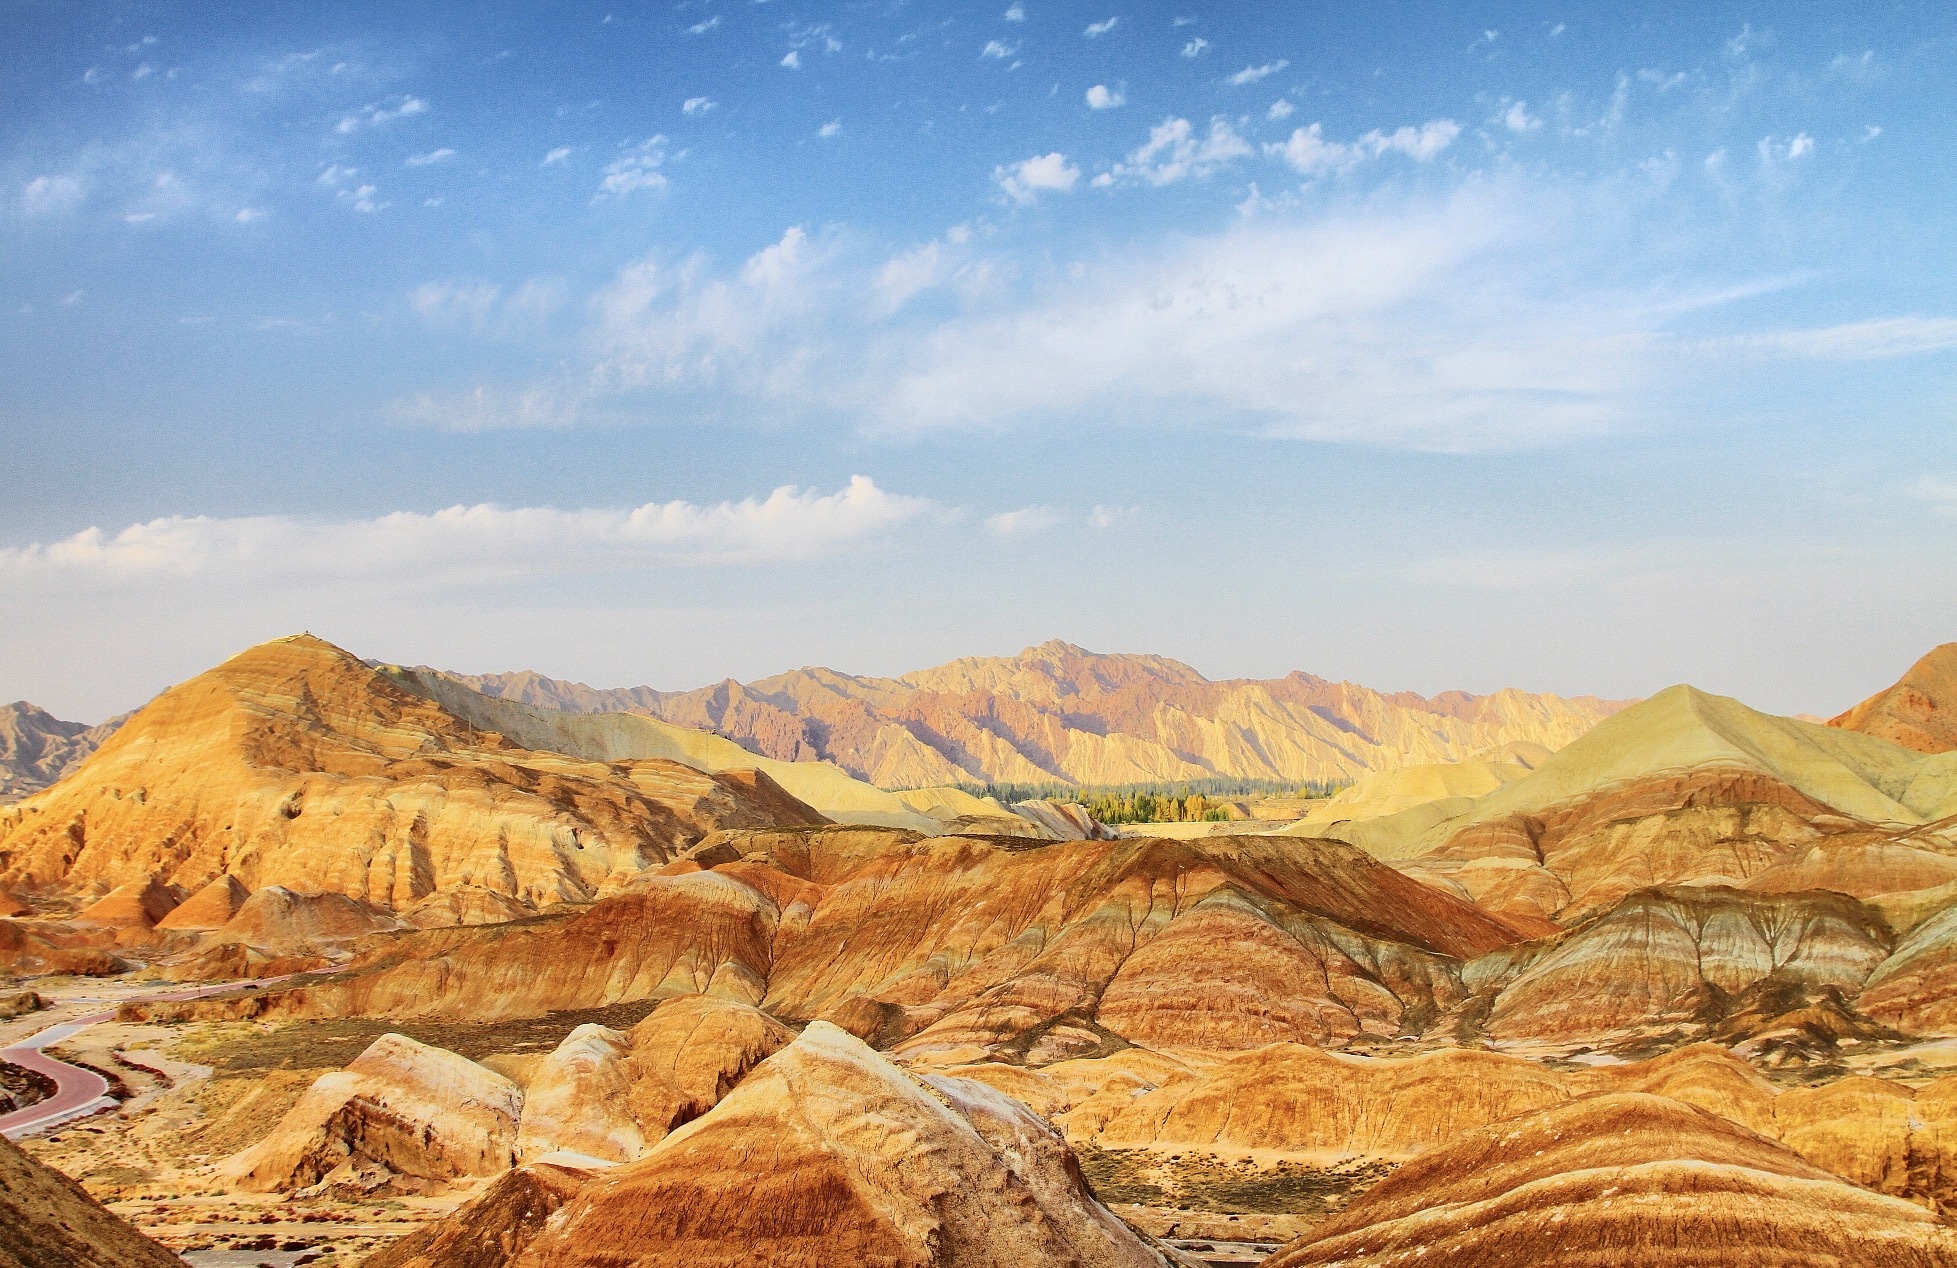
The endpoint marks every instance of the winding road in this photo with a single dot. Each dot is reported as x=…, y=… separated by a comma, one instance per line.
x=79, y=1092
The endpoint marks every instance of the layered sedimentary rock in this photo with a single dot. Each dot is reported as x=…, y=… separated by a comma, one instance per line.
x=293, y=764
x=1919, y=712
x=1307, y=1103
x=630, y=736
x=954, y=945
x=1618, y=1179
x=493, y=1229
x=1684, y=788
x=1680, y=955
x=1059, y=712
x=577, y=1100
x=828, y=1154
x=49, y=1221
x=402, y=1113
x=689, y=1053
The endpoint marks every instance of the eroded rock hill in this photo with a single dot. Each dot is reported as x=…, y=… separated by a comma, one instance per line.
x=959, y=944
x=829, y=1154
x=1919, y=712
x=1620, y=1179
x=1060, y=712
x=296, y=765
x=49, y=1221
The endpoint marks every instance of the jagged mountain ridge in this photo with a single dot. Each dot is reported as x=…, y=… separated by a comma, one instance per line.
x=37, y=748
x=1060, y=712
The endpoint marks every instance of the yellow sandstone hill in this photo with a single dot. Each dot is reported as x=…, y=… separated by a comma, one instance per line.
x=49, y=1221
x=1683, y=788
x=860, y=1164
x=1059, y=712
x=295, y=765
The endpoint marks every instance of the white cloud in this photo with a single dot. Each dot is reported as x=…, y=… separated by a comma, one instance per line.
x=1518, y=119
x=1100, y=97
x=51, y=195
x=1195, y=47
x=248, y=214
x=433, y=156
x=1413, y=329
x=1853, y=67
x=1776, y=151
x=1280, y=109
x=1017, y=13
x=1309, y=152
x=1109, y=516
x=664, y=325
x=487, y=309
x=999, y=49
x=374, y=115
x=336, y=176
x=1025, y=520
x=1098, y=29
x=832, y=128
x=556, y=156
x=478, y=541
x=1874, y=340
x=1023, y=181
x=1447, y=323
x=1940, y=493
x=1251, y=74
x=944, y=261
x=637, y=168
x=698, y=105
x=793, y=60
x=1174, y=152
x=701, y=28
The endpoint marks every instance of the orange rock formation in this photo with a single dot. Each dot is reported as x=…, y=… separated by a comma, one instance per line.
x=1620, y=1179
x=1919, y=712
x=294, y=764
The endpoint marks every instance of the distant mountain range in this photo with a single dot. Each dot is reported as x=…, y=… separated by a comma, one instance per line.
x=1060, y=713
x=37, y=748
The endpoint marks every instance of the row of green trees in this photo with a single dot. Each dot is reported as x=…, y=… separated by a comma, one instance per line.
x=1191, y=801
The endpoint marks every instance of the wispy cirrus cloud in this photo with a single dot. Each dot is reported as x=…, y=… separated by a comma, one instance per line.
x=1251, y=74
x=1877, y=339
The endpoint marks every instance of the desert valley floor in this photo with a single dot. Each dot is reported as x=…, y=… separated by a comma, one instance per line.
x=314, y=960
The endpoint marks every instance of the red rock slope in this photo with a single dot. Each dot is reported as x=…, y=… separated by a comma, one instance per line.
x=1919, y=712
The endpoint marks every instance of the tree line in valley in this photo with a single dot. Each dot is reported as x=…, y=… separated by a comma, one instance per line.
x=1190, y=801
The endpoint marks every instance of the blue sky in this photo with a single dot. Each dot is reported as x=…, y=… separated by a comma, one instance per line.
x=1570, y=347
